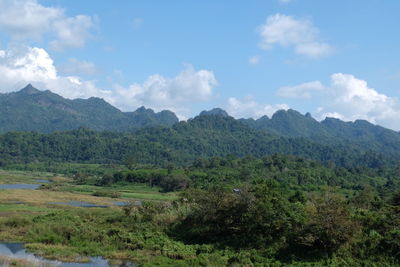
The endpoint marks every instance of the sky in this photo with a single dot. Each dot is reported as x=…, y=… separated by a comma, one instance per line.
x=330, y=58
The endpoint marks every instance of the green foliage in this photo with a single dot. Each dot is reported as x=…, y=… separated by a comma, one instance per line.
x=204, y=136
x=34, y=110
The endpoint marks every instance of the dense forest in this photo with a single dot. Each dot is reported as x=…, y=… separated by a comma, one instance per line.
x=203, y=136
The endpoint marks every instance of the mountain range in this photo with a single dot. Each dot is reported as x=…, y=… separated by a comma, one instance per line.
x=43, y=111
x=211, y=133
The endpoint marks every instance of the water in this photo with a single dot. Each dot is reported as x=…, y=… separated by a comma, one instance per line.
x=20, y=186
x=81, y=204
x=18, y=251
x=24, y=186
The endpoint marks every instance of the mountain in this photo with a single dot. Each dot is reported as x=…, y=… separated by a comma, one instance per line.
x=202, y=136
x=214, y=112
x=290, y=123
x=160, y=136
x=360, y=133
x=43, y=111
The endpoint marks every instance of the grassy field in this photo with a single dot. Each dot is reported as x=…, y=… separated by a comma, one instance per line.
x=13, y=177
x=20, y=207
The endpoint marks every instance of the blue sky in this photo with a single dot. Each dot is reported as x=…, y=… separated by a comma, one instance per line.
x=331, y=58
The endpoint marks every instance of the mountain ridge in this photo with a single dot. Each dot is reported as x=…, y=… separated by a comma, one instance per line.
x=43, y=111
x=31, y=109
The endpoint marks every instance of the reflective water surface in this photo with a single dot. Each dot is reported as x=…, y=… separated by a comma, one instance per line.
x=20, y=186
x=17, y=251
x=81, y=204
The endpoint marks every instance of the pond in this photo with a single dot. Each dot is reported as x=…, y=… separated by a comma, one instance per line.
x=25, y=186
x=18, y=251
x=20, y=186
x=81, y=204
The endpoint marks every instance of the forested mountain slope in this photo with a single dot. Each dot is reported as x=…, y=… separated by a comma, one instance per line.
x=148, y=137
x=330, y=131
x=202, y=136
x=43, y=111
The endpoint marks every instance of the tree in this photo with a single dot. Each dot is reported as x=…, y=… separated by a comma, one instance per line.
x=329, y=225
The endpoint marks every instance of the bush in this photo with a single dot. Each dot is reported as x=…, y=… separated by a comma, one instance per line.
x=106, y=193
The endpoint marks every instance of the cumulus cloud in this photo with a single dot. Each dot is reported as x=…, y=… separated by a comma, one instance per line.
x=79, y=67
x=354, y=99
x=304, y=90
x=27, y=19
x=174, y=93
x=72, y=32
x=21, y=65
x=349, y=98
x=288, y=31
x=249, y=108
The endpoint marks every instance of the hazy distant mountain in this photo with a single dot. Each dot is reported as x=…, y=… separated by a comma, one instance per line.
x=33, y=110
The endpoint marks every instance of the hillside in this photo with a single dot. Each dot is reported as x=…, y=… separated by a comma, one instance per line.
x=331, y=131
x=43, y=111
x=203, y=136
x=150, y=137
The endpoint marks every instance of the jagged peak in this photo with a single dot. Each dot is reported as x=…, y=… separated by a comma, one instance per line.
x=29, y=89
x=284, y=113
x=263, y=118
x=143, y=109
x=215, y=112
x=97, y=100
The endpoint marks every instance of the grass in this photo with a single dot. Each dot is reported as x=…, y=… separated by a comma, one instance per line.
x=42, y=197
x=20, y=210
x=139, y=192
x=149, y=196
x=10, y=177
x=11, y=207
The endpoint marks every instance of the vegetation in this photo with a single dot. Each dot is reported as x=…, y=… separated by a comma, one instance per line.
x=145, y=137
x=44, y=111
x=274, y=211
x=204, y=136
x=212, y=191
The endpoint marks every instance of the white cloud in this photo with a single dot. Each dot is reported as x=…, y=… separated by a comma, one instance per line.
x=72, y=32
x=353, y=99
x=349, y=98
x=313, y=49
x=304, y=90
x=288, y=31
x=22, y=65
x=249, y=108
x=78, y=67
x=27, y=19
x=285, y=1
x=173, y=93
x=254, y=60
